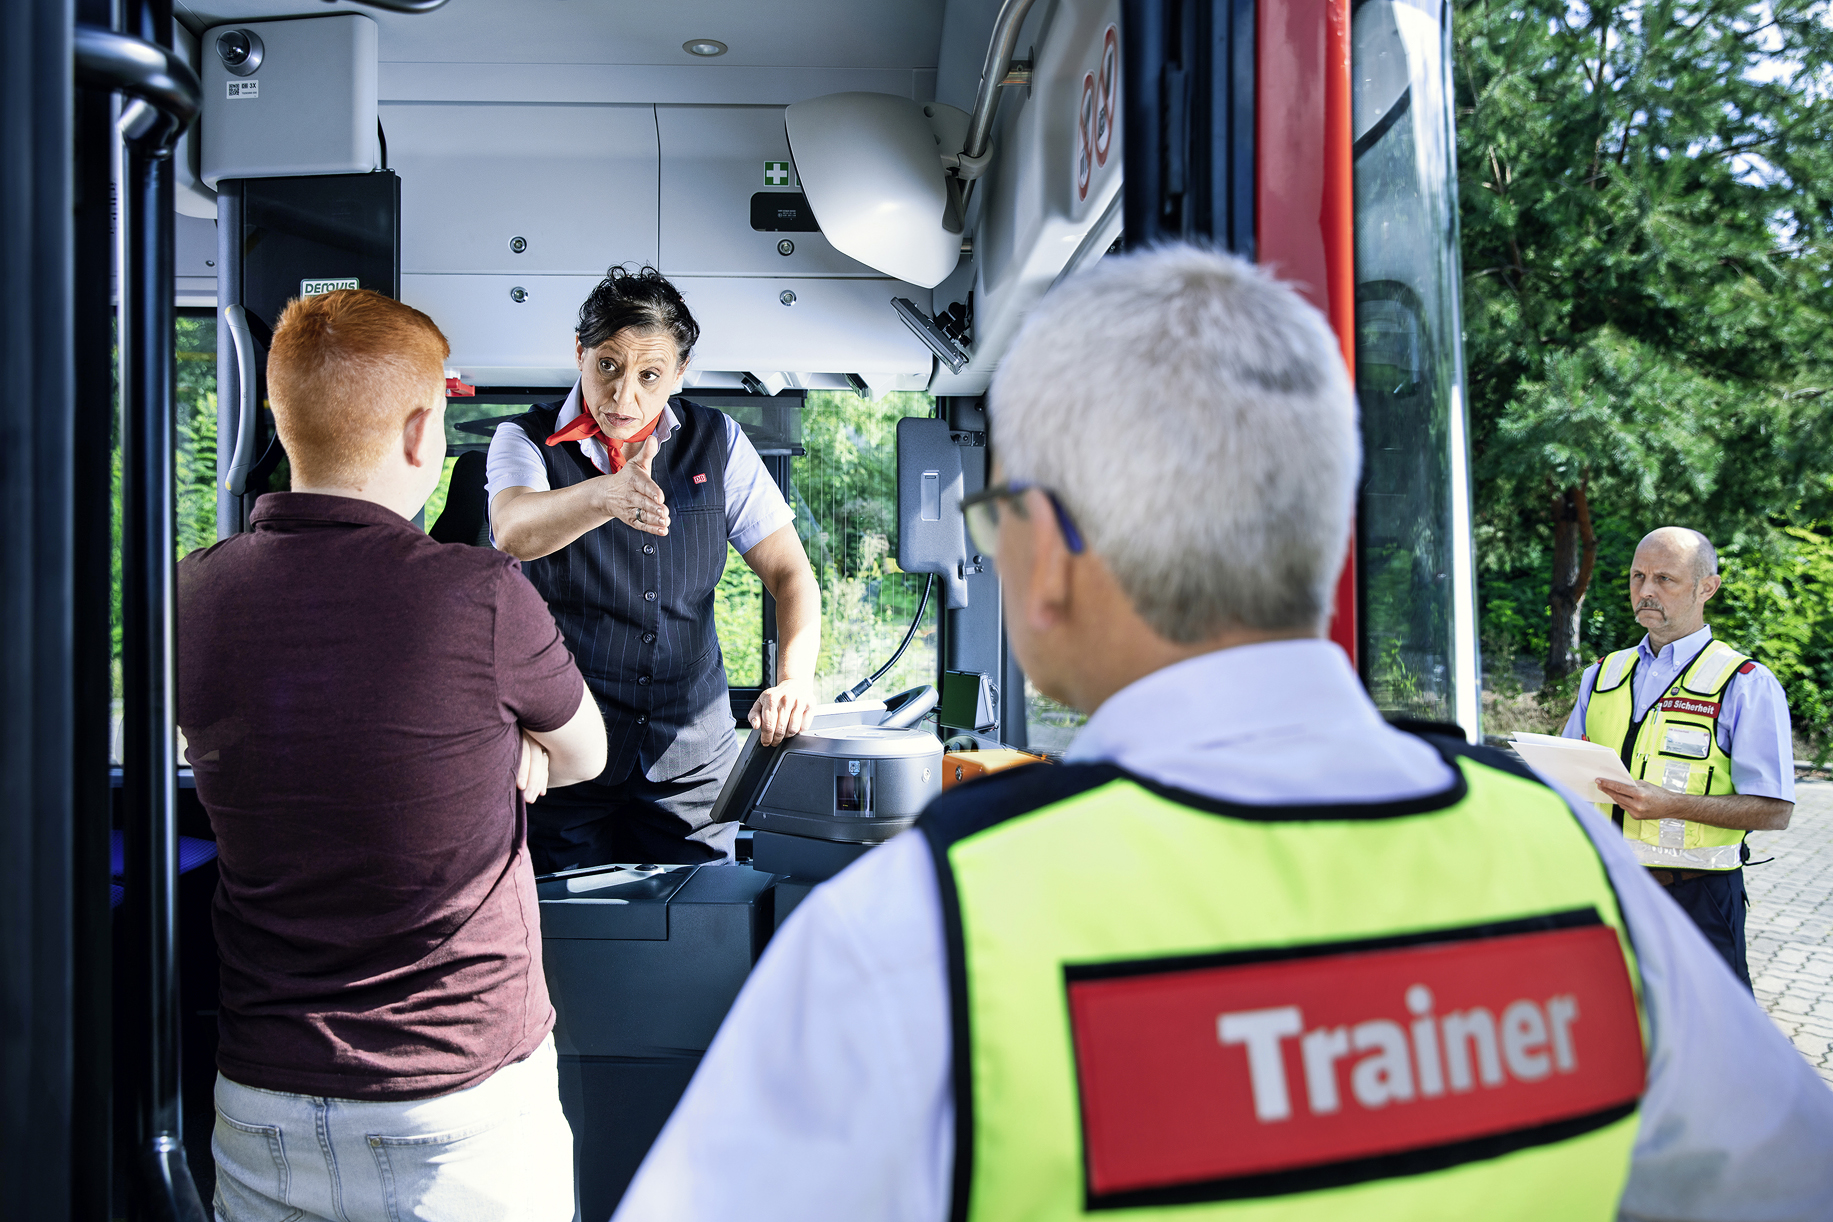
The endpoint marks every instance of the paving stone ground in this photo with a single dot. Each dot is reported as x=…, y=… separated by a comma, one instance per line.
x=1789, y=933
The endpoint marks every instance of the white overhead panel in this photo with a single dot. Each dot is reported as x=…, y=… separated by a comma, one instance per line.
x=797, y=34
x=731, y=204
x=504, y=330
x=510, y=215
x=762, y=325
x=631, y=51
x=289, y=97
x=1051, y=198
x=524, y=190
x=871, y=169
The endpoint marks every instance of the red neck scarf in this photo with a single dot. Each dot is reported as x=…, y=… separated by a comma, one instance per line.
x=585, y=425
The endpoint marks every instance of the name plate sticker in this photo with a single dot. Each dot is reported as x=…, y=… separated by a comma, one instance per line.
x=1249, y=1075
x=244, y=89
x=1694, y=741
x=313, y=288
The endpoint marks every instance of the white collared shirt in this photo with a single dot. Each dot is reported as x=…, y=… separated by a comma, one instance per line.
x=826, y=1094
x=755, y=508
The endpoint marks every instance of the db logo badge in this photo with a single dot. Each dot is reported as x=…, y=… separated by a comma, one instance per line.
x=1249, y=1076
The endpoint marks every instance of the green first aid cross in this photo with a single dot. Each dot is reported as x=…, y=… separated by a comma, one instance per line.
x=776, y=174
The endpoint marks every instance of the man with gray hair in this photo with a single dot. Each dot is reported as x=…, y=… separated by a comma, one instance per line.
x=1249, y=949
x=1702, y=728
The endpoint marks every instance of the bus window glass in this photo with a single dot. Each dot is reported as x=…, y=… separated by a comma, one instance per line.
x=1409, y=364
x=1049, y=725
x=738, y=614
x=844, y=492
x=195, y=478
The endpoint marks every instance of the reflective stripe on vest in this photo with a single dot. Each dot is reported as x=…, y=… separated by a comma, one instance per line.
x=1677, y=748
x=1337, y=1012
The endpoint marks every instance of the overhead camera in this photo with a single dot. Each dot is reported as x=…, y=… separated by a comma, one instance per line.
x=240, y=51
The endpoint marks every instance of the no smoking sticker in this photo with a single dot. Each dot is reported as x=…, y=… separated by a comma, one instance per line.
x=1107, y=95
x=1098, y=112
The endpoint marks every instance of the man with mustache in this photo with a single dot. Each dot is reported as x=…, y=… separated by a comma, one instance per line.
x=1704, y=730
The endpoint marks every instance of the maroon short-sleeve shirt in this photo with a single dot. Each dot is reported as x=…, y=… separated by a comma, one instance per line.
x=350, y=692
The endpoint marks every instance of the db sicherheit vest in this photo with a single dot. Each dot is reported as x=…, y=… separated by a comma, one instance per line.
x=1166, y=1004
x=637, y=609
x=1675, y=746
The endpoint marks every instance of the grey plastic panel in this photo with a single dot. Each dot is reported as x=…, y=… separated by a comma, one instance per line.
x=309, y=109
x=931, y=537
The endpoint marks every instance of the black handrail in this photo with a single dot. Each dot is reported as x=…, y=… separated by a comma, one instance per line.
x=139, y=67
x=117, y=63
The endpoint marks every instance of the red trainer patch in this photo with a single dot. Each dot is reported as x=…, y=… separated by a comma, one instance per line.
x=1208, y=1081
x=700, y=479
x=1686, y=704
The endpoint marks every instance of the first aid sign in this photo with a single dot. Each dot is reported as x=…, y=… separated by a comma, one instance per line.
x=1253, y=1076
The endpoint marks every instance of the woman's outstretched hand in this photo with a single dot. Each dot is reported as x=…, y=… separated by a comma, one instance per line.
x=632, y=495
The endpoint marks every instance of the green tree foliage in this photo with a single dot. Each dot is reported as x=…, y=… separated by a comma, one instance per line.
x=846, y=514
x=844, y=493
x=195, y=477
x=1780, y=602
x=1647, y=291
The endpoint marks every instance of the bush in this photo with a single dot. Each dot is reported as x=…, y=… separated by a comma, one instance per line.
x=1777, y=605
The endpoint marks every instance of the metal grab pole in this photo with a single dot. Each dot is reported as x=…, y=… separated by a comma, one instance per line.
x=162, y=1181
x=142, y=67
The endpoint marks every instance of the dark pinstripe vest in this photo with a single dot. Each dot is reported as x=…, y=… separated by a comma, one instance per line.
x=637, y=610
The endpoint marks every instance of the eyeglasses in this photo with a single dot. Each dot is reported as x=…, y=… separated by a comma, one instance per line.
x=982, y=513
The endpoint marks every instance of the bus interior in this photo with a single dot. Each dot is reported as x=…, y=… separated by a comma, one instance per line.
x=860, y=200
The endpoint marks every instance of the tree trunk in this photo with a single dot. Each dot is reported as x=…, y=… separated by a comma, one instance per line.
x=1575, y=553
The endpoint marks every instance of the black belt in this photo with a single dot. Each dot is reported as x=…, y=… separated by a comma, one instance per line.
x=1668, y=878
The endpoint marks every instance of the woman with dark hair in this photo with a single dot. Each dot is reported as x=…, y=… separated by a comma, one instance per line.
x=620, y=502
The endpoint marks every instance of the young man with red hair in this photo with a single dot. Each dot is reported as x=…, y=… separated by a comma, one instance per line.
x=367, y=712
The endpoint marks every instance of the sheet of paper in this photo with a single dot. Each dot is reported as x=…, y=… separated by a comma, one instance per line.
x=1572, y=762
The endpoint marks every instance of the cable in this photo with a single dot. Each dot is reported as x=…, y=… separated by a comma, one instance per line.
x=861, y=688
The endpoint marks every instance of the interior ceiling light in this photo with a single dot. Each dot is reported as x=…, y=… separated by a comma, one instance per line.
x=706, y=48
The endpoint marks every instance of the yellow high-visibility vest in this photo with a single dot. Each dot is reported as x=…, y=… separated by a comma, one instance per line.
x=1416, y=1010
x=1675, y=747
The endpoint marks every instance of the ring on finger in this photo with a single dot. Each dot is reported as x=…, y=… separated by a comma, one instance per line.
x=639, y=515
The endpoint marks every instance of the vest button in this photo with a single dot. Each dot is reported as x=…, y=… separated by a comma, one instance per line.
x=649, y=596
x=642, y=719
x=642, y=680
x=649, y=638
x=649, y=549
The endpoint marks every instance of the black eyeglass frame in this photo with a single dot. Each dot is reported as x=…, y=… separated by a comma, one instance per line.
x=1014, y=490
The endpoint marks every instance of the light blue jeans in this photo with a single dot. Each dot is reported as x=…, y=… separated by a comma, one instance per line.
x=500, y=1150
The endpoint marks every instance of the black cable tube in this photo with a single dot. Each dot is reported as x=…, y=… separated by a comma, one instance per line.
x=865, y=685
x=162, y=1188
